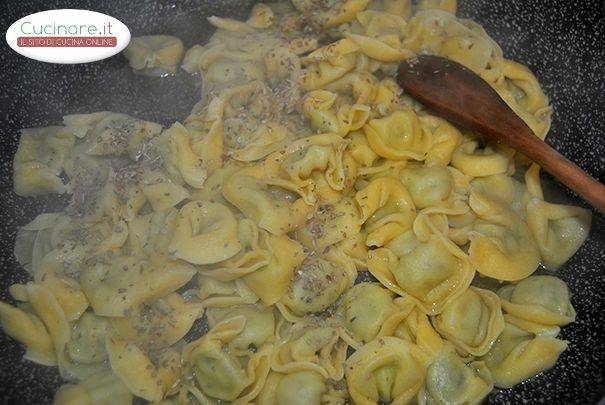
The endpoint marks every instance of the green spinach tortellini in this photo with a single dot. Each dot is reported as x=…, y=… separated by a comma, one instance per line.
x=450, y=381
x=365, y=308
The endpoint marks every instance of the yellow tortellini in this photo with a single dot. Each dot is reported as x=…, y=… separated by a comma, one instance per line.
x=520, y=89
x=541, y=300
x=398, y=136
x=387, y=210
x=298, y=388
x=274, y=204
x=442, y=33
x=311, y=348
x=151, y=232
x=341, y=12
x=331, y=224
x=47, y=309
x=445, y=139
x=533, y=98
x=155, y=374
x=98, y=389
x=307, y=234
x=386, y=369
x=365, y=309
x=329, y=63
x=189, y=165
x=211, y=134
x=472, y=321
x=154, y=55
x=50, y=273
x=218, y=294
x=360, y=150
x=266, y=139
x=518, y=355
x=559, y=230
x=408, y=322
x=39, y=160
x=459, y=226
x=258, y=330
x=109, y=133
x=220, y=374
x=446, y=5
x=381, y=36
x=252, y=135
x=497, y=194
x=213, y=186
x=159, y=324
x=397, y=7
x=205, y=233
x=317, y=165
x=431, y=272
x=428, y=186
x=265, y=264
x=502, y=247
x=28, y=329
x=318, y=283
x=478, y=162
x=161, y=192
x=35, y=240
x=87, y=344
x=114, y=288
x=326, y=115
x=261, y=16
x=270, y=282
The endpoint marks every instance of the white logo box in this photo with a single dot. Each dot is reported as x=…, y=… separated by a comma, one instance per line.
x=68, y=36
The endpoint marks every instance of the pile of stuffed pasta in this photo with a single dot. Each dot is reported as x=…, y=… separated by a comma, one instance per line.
x=309, y=234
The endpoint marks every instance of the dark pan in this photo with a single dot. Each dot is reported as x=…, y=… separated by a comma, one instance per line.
x=562, y=41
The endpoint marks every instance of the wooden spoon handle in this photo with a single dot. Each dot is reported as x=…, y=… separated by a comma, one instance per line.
x=563, y=169
x=480, y=108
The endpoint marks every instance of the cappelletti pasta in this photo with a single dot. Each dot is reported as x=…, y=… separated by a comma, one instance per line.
x=308, y=234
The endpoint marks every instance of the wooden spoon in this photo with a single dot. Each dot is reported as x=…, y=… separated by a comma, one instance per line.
x=459, y=95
